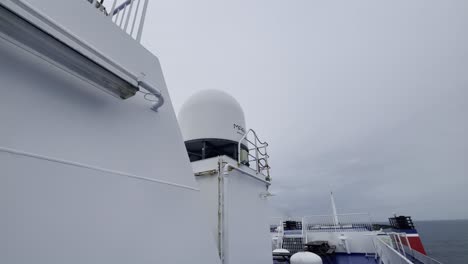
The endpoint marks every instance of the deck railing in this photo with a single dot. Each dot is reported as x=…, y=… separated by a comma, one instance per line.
x=387, y=254
x=128, y=15
x=346, y=222
x=420, y=257
x=399, y=243
x=402, y=244
x=257, y=156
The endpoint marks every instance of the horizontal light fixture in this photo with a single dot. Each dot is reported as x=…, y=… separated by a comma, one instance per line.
x=27, y=36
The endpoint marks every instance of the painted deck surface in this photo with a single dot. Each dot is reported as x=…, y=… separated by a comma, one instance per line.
x=343, y=259
x=350, y=259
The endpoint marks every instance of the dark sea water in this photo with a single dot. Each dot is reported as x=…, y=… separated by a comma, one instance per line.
x=446, y=241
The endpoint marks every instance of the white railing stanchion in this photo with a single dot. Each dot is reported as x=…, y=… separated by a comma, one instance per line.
x=111, y=14
x=135, y=19
x=142, y=21
x=129, y=15
x=125, y=16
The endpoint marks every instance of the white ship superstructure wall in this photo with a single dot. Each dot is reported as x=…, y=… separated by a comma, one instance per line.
x=246, y=217
x=86, y=177
x=235, y=203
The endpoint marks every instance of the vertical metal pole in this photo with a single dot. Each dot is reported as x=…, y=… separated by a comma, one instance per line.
x=220, y=210
x=117, y=17
x=256, y=154
x=129, y=14
x=203, y=153
x=302, y=225
x=335, y=214
x=239, y=150
x=136, y=16
x=401, y=245
x=123, y=15
x=112, y=9
x=409, y=245
x=142, y=21
x=266, y=163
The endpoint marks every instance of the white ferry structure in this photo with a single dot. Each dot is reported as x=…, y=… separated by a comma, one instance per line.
x=95, y=167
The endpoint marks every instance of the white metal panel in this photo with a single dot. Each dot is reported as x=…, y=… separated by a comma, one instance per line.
x=247, y=229
x=46, y=111
x=208, y=185
x=124, y=191
x=205, y=165
x=58, y=213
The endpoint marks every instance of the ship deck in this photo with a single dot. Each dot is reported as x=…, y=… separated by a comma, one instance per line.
x=341, y=258
x=350, y=259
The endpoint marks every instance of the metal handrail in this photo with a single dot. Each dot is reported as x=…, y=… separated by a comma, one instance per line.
x=260, y=158
x=351, y=222
x=409, y=251
x=124, y=15
x=388, y=254
x=404, y=251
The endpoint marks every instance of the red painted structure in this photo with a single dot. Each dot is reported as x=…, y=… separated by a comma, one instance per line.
x=415, y=242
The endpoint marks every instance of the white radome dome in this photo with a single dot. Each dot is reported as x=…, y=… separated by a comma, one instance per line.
x=305, y=258
x=212, y=114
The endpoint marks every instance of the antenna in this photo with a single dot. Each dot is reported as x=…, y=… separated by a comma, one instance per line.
x=335, y=214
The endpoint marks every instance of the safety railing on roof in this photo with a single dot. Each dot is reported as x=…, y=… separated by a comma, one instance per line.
x=287, y=226
x=257, y=156
x=128, y=15
x=387, y=254
x=420, y=257
x=401, y=243
x=356, y=222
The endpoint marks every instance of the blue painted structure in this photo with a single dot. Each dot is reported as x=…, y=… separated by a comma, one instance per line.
x=342, y=258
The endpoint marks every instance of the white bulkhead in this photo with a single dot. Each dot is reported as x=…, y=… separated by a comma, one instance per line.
x=86, y=177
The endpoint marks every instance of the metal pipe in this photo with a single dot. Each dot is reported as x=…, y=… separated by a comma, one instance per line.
x=221, y=212
x=120, y=7
x=154, y=92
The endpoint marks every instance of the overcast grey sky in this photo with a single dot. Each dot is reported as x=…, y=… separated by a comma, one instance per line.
x=369, y=97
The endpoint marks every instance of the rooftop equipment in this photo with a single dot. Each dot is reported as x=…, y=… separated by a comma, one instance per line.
x=212, y=124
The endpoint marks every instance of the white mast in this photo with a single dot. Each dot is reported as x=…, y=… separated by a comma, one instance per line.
x=335, y=214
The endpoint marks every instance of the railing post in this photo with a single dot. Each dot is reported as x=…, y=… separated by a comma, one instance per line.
x=129, y=15
x=266, y=163
x=409, y=245
x=256, y=154
x=401, y=245
x=111, y=14
x=142, y=21
x=135, y=19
